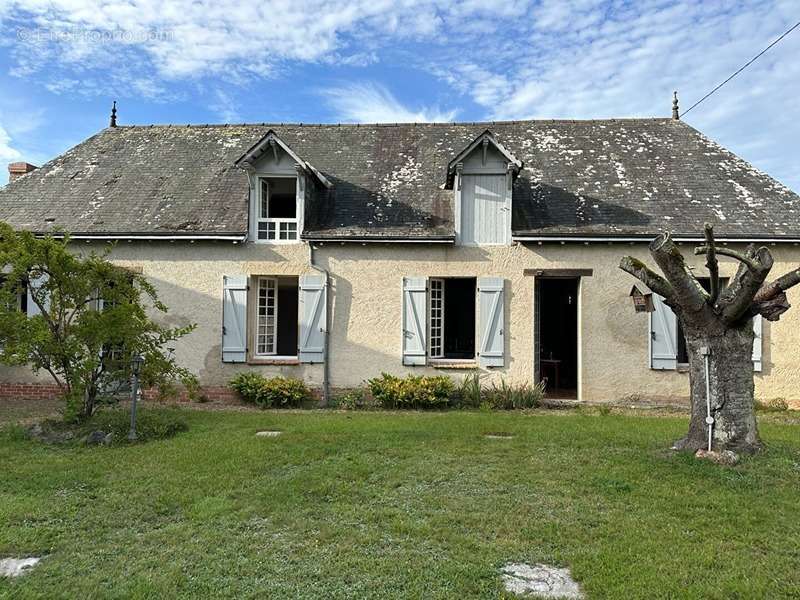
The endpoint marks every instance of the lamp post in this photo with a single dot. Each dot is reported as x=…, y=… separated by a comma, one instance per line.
x=136, y=367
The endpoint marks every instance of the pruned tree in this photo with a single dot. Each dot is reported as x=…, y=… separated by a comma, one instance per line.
x=718, y=325
x=89, y=318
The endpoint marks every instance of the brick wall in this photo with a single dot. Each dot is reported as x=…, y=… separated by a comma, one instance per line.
x=211, y=393
x=28, y=391
x=36, y=391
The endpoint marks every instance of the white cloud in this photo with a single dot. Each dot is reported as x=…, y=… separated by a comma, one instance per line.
x=225, y=106
x=513, y=59
x=185, y=38
x=373, y=103
x=7, y=154
x=592, y=59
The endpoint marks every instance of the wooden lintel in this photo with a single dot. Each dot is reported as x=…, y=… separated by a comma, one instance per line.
x=564, y=273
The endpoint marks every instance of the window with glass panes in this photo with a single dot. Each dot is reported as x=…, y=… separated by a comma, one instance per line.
x=267, y=316
x=277, y=209
x=437, y=317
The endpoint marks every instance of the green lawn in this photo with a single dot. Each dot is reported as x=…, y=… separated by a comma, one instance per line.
x=387, y=505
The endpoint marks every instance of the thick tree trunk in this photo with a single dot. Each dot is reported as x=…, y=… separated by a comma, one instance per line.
x=719, y=330
x=731, y=388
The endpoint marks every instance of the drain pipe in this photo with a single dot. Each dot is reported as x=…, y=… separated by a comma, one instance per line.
x=709, y=419
x=326, y=390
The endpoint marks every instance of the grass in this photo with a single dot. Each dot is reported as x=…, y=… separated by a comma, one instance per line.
x=26, y=410
x=151, y=424
x=398, y=505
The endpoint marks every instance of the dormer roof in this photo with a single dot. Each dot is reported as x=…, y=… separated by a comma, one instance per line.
x=271, y=142
x=483, y=141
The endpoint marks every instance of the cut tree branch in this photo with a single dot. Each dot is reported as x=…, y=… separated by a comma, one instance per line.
x=738, y=297
x=741, y=257
x=711, y=263
x=689, y=294
x=652, y=280
x=781, y=284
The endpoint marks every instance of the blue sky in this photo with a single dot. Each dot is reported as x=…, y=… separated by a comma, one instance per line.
x=201, y=61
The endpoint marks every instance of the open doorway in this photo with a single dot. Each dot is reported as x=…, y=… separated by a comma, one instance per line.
x=556, y=335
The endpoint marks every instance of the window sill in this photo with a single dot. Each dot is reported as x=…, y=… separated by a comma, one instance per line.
x=288, y=360
x=682, y=367
x=278, y=242
x=452, y=363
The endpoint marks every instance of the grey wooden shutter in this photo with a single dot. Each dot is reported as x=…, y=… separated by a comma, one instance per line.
x=484, y=210
x=492, y=322
x=234, y=318
x=758, y=325
x=313, y=311
x=663, y=336
x=414, y=320
x=35, y=283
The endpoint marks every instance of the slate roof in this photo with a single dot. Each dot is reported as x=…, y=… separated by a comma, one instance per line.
x=622, y=177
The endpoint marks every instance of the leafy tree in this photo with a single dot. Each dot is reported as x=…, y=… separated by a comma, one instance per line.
x=93, y=316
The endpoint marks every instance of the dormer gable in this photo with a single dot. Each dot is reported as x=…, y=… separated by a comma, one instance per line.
x=482, y=178
x=483, y=154
x=271, y=153
x=282, y=190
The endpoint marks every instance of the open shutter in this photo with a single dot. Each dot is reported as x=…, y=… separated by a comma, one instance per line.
x=758, y=325
x=313, y=310
x=234, y=318
x=492, y=323
x=663, y=336
x=414, y=320
x=35, y=283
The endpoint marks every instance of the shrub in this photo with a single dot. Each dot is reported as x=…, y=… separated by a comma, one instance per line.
x=773, y=405
x=277, y=392
x=151, y=424
x=469, y=391
x=506, y=396
x=414, y=391
x=355, y=399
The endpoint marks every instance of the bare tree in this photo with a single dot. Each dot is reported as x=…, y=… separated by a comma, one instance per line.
x=718, y=324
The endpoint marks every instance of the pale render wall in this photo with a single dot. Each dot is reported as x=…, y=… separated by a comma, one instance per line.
x=366, y=316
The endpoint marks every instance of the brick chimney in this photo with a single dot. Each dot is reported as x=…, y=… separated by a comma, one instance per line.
x=18, y=169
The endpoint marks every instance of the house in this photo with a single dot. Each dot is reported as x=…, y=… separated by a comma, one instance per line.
x=332, y=253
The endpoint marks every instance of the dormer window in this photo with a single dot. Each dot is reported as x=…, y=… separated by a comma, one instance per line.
x=482, y=177
x=277, y=216
x=281, y=183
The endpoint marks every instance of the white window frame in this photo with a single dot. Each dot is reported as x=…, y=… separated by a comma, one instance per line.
x=278, y=224
x=271, y=348
x=436, y=317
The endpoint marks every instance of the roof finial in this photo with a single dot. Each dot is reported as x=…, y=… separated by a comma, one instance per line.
x=114, y=114
x=675, y=114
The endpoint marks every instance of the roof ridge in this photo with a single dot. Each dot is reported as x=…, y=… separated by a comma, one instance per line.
x=399, y=124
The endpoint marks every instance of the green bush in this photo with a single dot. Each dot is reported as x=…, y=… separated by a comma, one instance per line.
x=469, y=394
x=773, y=405
x=151, y=423
x=414, y=391
x=278, y=392
x=355, y=399
x=507, y=397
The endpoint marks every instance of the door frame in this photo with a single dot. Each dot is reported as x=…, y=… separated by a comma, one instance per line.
x=576, y=275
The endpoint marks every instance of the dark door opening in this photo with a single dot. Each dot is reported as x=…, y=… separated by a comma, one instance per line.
x=452, y=318
x=287, y=317
x=557, y=335
x=459, y=318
